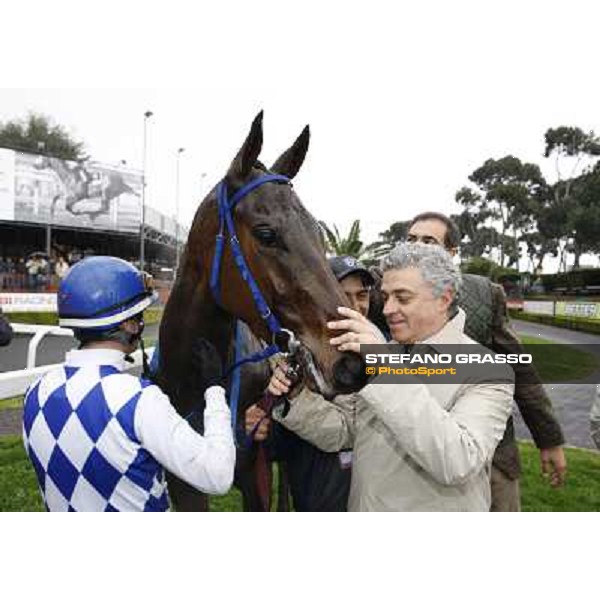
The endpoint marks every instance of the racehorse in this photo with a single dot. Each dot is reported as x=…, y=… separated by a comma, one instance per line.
x=283, y=256
x=77, y=185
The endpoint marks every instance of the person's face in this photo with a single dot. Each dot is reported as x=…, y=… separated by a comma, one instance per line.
x=357, y=293
x=412, y=312
x=429, y=231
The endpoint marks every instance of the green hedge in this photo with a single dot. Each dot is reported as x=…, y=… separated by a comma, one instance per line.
x=564, y=322
x=573, y=280
x=151, y=317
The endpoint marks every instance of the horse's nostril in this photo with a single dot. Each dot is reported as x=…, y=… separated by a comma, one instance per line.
x=349, y=373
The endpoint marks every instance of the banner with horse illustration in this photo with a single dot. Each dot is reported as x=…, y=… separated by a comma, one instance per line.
x=42, y=189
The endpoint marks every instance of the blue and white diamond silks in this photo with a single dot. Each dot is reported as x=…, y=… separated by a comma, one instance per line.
x=78, y=429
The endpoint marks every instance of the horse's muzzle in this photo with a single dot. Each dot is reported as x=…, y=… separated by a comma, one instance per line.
x=349, y=373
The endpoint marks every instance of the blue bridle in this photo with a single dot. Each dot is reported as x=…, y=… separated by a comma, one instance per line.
x=226, y=206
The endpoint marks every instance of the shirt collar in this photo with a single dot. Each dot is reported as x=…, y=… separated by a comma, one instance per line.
x=96, y=356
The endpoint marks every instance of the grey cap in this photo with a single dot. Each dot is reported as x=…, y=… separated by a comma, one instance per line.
x=342, y=266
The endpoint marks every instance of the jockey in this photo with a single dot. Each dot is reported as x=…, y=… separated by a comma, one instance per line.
x=99, y=438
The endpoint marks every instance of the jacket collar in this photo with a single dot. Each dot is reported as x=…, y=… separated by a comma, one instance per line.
x=96, y=356
x=451, y=333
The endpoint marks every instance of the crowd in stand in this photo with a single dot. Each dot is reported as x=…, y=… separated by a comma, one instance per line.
x=38, y=272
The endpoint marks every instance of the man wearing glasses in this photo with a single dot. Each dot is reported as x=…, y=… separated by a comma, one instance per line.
x=487, y=322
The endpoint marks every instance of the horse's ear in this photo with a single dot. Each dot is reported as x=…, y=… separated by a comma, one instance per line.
x=248, y=154
x=291, y=160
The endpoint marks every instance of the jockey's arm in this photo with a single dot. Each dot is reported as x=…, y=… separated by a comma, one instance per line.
x=206, y=461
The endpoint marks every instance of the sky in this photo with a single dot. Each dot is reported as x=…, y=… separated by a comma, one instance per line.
x=404, y=100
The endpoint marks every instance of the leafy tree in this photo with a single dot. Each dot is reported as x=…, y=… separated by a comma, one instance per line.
x=38, y=134
x=388, y=239
x=488, y=268
x=571, y=141
x=351, y=245
x=505, y=190
x=476, y=238
x=584, y=215
x=339, y=245
x=574, y=198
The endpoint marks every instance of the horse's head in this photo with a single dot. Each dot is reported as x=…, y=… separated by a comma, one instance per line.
x=284, y=250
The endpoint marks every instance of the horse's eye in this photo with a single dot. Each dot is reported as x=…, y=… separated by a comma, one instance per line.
x=266, y=236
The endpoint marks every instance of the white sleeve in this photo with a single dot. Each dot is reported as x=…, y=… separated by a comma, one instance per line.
x=205, y=462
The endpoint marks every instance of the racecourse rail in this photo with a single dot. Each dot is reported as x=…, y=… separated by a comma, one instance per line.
x=15, y=383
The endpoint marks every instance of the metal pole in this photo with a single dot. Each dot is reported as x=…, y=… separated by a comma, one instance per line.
x=49, y=239
x=42, y=150
x=177, y=246
x=147, y=115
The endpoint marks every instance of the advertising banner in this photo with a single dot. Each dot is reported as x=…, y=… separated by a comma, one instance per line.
x=584, y=310
x=539, y=307
x=44, y=189
x=28, y=302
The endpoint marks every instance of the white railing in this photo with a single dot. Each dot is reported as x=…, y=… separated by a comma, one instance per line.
x=15, y=383
x=38, y=332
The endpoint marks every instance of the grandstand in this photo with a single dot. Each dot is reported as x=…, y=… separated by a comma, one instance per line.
x=68, y=209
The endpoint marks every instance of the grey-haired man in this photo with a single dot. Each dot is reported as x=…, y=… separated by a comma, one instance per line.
x=487, y=322
x=417, y=446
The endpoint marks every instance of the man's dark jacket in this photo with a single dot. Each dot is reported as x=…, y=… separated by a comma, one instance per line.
x=487, y=322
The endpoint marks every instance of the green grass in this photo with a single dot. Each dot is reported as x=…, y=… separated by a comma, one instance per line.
x=560, y=362
x=16, y=402
x=18, y=484
x=19, y=491
x=581, y=492
x=33, y=318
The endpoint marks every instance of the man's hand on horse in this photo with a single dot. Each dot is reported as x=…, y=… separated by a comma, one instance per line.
x=281, y=383
x=255, y=415
x=359, y=330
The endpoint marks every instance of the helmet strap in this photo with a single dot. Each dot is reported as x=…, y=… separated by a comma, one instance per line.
x=145, y=365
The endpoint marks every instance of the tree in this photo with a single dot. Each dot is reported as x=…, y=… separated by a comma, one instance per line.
x=571, y=141
x=575, y=197
x=505, y=192
x=584, y=216
x=347, y=246
x=488, y=268
x=388, y=239
x=476, y=238
x=38, y=134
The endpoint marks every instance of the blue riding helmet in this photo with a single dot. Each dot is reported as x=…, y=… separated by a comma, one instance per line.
x=100, y=292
